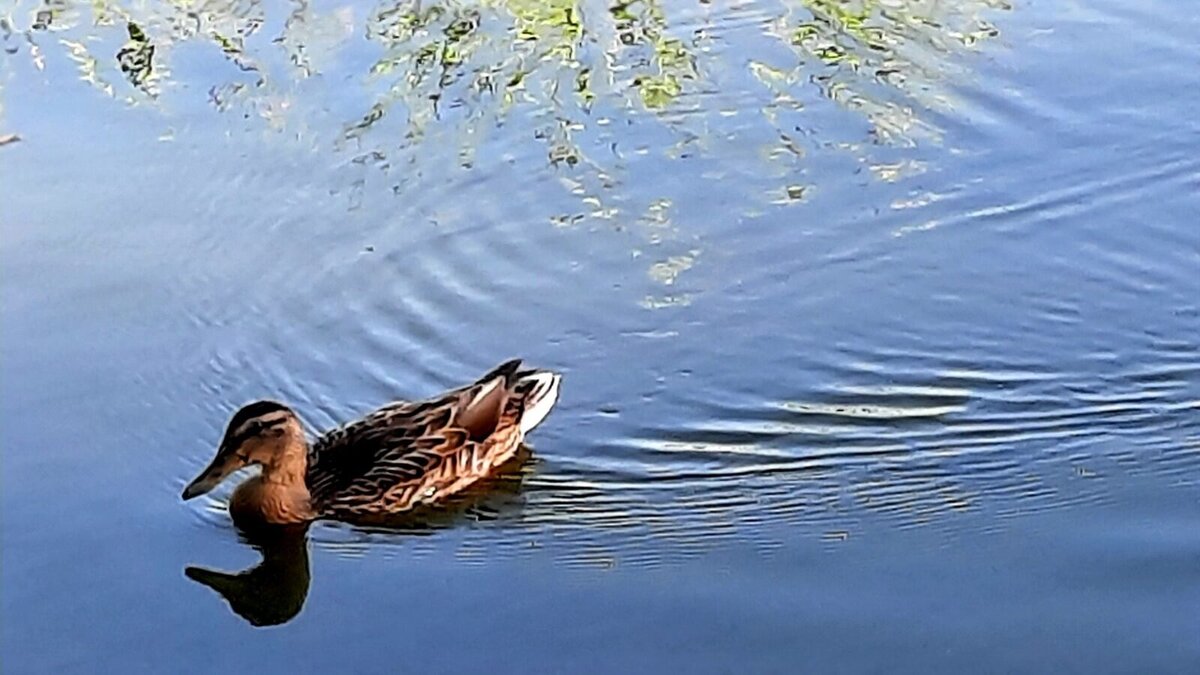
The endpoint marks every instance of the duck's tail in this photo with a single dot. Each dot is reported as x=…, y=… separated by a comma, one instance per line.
x=540, y=391
x=532, y=393
x=507, y=396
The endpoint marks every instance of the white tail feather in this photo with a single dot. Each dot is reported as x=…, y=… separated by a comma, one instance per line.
x=541, y=399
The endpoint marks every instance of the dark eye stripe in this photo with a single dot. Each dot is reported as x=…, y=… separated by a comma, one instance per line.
x=253, y=431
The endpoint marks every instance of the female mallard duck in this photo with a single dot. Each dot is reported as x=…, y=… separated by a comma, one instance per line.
x=401, y=456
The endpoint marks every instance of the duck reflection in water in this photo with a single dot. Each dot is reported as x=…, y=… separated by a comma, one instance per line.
x=274, y=591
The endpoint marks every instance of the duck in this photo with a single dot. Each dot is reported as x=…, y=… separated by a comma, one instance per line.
x=404, y=455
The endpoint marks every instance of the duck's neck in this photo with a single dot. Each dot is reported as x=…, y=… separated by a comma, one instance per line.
x=279, y=494
x=288, y=467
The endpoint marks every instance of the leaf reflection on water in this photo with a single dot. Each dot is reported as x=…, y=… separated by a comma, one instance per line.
x=440, y=74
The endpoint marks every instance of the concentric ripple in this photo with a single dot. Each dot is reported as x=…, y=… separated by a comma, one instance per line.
x=810, y=269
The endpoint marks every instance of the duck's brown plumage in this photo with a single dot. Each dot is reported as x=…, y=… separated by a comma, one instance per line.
x=396, y=458
x=406, y=454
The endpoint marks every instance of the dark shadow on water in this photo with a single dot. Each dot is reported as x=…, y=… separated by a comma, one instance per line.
x=274, y=591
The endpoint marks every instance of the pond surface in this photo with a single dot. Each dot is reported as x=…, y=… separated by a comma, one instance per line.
x=879, y=322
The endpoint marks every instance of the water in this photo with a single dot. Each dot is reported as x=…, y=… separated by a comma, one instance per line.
x=879, y=325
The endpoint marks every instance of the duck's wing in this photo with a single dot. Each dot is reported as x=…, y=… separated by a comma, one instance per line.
x=409, y=453
x=405, y=417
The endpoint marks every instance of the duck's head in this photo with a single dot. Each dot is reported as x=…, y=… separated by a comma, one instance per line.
x=260, y=433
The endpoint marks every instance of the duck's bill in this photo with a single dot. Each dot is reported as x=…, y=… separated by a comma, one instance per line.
x=222, y=465
x=208, y=479
x=202, y=485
